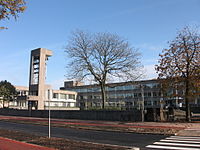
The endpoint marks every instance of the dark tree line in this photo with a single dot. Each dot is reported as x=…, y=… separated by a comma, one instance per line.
x=7, y=91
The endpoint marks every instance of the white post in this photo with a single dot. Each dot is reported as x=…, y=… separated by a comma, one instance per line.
x=49, y=113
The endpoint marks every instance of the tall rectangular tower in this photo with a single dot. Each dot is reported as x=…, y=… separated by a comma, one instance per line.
x=37, y=86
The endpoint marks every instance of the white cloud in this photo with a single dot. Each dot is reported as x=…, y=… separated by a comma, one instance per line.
x=150, y=71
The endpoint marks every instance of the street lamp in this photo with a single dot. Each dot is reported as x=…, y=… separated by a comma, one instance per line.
x=142, y=93
x=49, y=113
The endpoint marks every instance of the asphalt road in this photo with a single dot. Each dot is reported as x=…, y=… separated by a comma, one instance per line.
x=105, y=137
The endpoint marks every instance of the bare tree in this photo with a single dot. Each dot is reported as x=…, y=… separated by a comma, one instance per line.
x=10, y=8
x=180, y=64
x=101, y=56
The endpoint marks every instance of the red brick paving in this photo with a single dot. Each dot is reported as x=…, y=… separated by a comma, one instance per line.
x=7, y=144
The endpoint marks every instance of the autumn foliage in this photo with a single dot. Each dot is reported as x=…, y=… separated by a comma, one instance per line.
x=179, y=65
x=11, y=8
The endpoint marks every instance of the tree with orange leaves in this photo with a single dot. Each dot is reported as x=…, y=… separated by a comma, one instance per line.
x=11, y=8
x=180, y=64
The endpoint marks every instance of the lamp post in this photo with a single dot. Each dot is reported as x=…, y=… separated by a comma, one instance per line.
x=49, y=113
x=142, y=93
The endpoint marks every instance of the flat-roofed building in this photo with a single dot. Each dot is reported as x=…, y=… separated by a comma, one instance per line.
x=54, y=99
x=61, y=100
x=128, y=95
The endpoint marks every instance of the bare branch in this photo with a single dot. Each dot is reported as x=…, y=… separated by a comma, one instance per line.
x=102, y=56
x=180, y=64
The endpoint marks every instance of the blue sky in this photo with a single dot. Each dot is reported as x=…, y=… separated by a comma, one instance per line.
x=147, y=24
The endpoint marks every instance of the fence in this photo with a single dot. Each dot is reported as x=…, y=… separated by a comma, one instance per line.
x=109, y=115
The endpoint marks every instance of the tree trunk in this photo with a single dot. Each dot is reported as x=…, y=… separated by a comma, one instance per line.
x=187, y=105
x=103, y=94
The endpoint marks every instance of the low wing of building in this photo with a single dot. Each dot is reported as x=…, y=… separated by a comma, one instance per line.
x=54, y=99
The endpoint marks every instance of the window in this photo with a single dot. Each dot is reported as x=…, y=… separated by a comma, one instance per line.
x=96, y=97
x=155, y=94
x=139, y=94
x=135, y=94
x=96, y=90
x=111, y=96
x=119, y=88
x=128, y=87
x=129, y=95
x=111, y=88
x=55, y=95
x=24, y=93
x=120, y=95
x=156, y=85
x=34, y=93
x=148, y=103
x=148, y=85
x=81, y=90
x=63, y=96
x=198, y=101
x=145, y=94
x=71, y=96
x=155, y=103
x=149, y=94
x=135, y=103
x=90, y=90
x=136, y=87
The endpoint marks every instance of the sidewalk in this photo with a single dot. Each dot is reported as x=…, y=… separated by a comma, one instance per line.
x=7, y=144
x=193, y=130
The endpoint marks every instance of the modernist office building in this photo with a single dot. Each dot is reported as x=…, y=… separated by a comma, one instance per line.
x=57, y=100
x=127, y=95
x=39, y=95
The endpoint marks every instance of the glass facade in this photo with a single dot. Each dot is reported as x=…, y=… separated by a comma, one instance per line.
x=130, y=94
x=127, y=94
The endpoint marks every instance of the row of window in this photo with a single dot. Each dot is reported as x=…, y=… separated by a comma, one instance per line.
x=119, y=88
x=55, y=95
x=60, y=104
x=127, y=104
x=63, y=96
x=122, y=95
x=22, y=93
x=146, y=103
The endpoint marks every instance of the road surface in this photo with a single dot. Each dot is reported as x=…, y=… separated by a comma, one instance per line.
x=105, y=137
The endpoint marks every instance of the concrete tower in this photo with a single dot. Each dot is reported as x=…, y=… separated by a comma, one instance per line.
x=37, y=86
